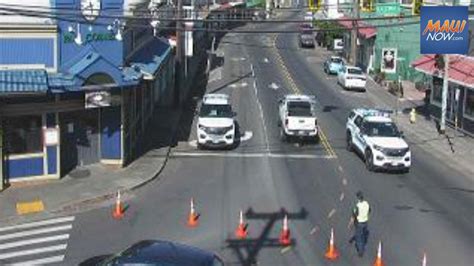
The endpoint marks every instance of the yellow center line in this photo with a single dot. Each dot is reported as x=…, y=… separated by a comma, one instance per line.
x=327, y=146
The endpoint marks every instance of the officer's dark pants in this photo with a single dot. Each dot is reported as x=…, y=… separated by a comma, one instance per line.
x=361, y=235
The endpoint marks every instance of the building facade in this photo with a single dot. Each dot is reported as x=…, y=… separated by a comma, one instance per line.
x=78, y=85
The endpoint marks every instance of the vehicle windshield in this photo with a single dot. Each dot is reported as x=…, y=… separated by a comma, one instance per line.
x=354, y=71
x=300, y=109
x=215, y=110
x=336, y=60
x=381, y=129
x=307, y=33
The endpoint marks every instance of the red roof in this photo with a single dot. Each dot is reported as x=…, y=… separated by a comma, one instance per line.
x=366, y=30
x=461, y=68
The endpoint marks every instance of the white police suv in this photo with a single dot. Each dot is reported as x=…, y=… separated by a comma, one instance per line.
x=375, y=136
x=216, y=125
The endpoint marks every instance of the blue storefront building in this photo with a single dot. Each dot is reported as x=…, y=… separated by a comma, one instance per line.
x=78, y=86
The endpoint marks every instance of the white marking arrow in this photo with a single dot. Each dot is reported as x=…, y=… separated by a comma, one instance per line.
x=273, y=86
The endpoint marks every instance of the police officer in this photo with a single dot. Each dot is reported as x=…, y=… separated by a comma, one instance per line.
x=360, y=217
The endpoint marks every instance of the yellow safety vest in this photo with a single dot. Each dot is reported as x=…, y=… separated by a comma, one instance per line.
x=363, y=209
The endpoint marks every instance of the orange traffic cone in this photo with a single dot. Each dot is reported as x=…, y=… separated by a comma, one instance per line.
x=332, y=253
x=378, y=259
x=118, y=211
x=241, y=231
x=193, y=216
x=285, y=233
x=423, y=263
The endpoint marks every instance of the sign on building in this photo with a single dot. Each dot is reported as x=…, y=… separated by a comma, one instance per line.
x=389, y=60
x=388, y=9
x=51, y=136
x=96, y=99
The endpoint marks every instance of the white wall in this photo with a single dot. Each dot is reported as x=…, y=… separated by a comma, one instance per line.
x=32, y=5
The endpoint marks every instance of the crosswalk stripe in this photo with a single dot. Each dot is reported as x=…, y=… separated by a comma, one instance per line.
x=35, y=232
x=40, y=223
x=42, y=261
x=32, y=251
x=33, y=241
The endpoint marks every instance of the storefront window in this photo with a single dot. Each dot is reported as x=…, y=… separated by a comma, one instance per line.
x=469, y=105
x=23, y=134
x=437, y=89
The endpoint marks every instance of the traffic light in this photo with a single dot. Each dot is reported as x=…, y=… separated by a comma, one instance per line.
x=367, y=5
x=416, y=7
x=314, y=5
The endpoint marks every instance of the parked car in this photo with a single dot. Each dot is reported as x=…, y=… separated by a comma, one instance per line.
x=297, y=117
x=157, y=252
x=333, y=65
x=351, y=77
x=216, y=124
x=374, y=135
x=307, y=39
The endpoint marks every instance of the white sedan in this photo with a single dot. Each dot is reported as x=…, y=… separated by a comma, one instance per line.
x=351, y=77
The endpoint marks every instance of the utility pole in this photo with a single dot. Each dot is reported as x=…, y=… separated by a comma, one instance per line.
x=179, y=53
x=355, y=17
x=444, y=95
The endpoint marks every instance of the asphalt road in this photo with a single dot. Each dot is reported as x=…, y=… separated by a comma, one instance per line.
x=427, y=210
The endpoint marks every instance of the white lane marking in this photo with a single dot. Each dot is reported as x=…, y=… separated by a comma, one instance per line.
x=250, y=155
x=238, y=85
x=344, y=182
x=331, y=213
x=273, y=86
x=265, y=60
x=262, y=117
x=42, y=261
x=341, y=198
x=33, y=241
x=300, y=156
x=32, y=251
x=35, y=232
x=246, y=136
x=40, y=223
x=253, y=70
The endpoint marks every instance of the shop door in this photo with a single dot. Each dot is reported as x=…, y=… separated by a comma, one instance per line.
x=80, y=139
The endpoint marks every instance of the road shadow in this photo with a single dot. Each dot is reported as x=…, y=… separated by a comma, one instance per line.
x=247, y=250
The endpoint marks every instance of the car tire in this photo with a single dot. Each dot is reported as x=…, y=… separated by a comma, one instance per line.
x=349, y=145
x=406, y=170
x=200, y=146
x=283, y=136
x=369, y=161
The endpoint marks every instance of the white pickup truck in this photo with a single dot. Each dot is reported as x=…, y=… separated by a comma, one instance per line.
x=297, y=117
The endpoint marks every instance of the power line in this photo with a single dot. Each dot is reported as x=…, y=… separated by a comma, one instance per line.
x=237, y=31
x=23, y=12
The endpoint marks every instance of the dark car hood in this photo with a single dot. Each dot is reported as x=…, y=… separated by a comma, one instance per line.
x=165, y=253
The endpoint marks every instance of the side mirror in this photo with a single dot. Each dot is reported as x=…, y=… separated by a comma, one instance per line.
x=280, y=101
x=402, y=134
x=234, y=114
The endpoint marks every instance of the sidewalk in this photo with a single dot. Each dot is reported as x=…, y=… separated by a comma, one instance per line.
x=454, y=148
x=88, y=187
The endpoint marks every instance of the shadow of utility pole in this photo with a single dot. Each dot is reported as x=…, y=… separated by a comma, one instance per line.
x=247, y=250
